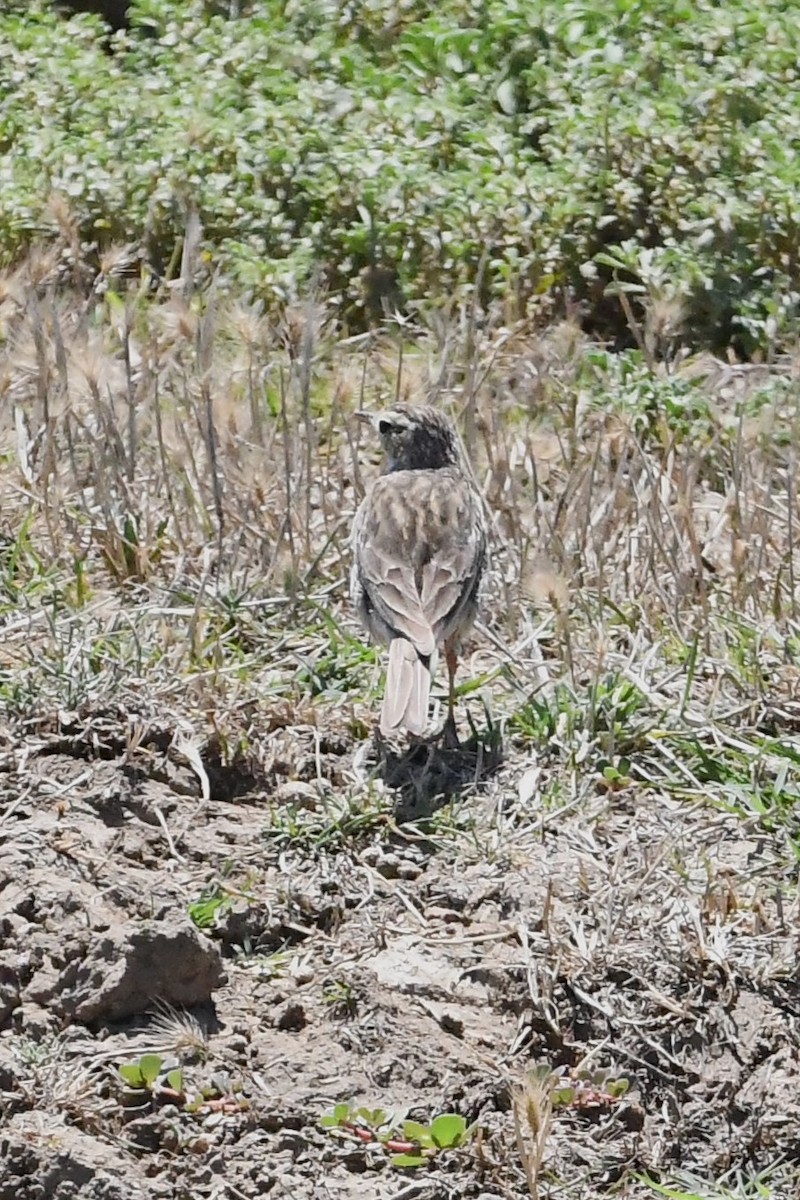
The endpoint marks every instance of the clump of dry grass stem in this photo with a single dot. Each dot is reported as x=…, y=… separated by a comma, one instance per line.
x=533, y=1115
x=179, y=474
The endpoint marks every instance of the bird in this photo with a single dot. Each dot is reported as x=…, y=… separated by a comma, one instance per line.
x=419, y=555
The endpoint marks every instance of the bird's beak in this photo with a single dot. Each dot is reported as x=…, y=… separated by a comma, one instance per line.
x=365, y=416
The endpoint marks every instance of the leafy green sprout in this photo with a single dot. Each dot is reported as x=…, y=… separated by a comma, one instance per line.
x=448, y=1131
x=585, y=1089
x=212, y=903
x=409, y=1143
x=143, y=1074
x=219, y=1094
x=341, y=996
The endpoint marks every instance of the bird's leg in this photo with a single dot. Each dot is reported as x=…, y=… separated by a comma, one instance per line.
x=449, y=733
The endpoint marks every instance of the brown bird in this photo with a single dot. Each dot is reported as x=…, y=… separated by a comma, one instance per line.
x=419, y=552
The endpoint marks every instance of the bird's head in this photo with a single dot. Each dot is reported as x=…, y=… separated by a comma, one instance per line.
x=415, y=438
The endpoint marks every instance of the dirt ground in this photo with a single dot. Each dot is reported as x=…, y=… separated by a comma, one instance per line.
x=637, y=935
x=225, y=915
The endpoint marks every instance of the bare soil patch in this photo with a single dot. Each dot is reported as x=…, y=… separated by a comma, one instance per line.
x=391, y=967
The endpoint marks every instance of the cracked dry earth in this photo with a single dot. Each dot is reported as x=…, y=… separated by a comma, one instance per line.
x=634, y=932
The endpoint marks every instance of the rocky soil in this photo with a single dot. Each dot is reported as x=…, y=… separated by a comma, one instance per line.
x=287, y=957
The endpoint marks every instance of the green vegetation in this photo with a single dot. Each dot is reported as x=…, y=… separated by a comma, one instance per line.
x=546, y=214
x=412, y=1144
x=213, y=902
x=757, y=1188
x=399, y=151
x=142, y=1074
x=151, y=1076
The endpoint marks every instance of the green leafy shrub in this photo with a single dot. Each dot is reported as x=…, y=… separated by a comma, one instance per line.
x=409, y=151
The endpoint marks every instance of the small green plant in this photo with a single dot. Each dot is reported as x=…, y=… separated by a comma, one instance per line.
x=341, y=996
x=377, y=1121
x=339, y=669
x=337, y=820
x=610, y=717
x=584, y=1089
x=267, y=966
x=212, y=903
x=445, y=1132
x=143, y=1074
x=734, y=1187
x=220, y=1094
x=410, y=1143
x=35, y=1053
x=615, y=778
x=577, y=1087
x=537, y=720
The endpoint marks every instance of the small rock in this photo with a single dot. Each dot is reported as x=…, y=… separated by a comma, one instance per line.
x=295, y=791
x=631, y=1116
x=45, y=1156
x=124, y=972
x=145, y=1132
x=292, y=1019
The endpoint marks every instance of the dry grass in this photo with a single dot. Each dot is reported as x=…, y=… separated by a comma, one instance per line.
x=177, y=479
x=533, y=1114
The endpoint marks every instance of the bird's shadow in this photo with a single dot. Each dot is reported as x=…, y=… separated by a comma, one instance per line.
x=426, y=775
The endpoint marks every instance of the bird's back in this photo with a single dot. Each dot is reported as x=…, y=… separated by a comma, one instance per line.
x=418, y=515
x=428, y=523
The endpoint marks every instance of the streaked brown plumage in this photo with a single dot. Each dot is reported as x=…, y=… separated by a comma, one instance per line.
x=419, y=552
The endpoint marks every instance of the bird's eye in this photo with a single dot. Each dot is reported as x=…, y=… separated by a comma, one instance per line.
x=385, y=426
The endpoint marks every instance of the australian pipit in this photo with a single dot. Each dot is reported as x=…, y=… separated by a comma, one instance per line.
x=419, y=551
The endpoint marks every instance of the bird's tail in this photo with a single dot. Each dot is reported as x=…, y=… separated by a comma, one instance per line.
x=408, y=687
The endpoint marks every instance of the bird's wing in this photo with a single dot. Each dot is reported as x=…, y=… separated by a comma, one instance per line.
x=450, y=575
x=392, y=589
x=447, y=581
